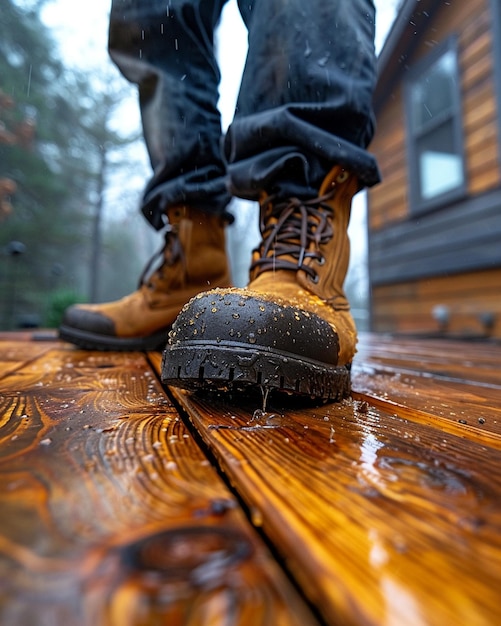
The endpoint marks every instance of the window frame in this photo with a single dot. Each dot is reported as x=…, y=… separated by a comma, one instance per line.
x=418, y=204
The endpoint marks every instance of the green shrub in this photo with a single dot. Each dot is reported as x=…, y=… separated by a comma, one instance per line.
x=59, y=301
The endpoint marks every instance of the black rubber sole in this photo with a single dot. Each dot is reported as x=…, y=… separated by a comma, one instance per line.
x=94, y=341
x=233, y=366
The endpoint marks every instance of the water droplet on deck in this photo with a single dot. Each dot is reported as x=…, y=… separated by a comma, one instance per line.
x=257, y=415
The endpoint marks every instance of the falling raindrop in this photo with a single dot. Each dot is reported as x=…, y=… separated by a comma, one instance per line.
x=324, y=60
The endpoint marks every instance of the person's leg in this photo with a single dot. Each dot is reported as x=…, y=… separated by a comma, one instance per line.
x=298, y=145
x=305, y=101
x=167, y=49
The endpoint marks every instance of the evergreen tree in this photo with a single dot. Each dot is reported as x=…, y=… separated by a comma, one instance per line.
x=55, y=147
x=42, y=164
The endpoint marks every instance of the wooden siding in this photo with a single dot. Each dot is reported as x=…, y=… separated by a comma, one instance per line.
x=470, y=300
x=449, y=257
x=460, y=238
x=471, y=22
x=389, y=200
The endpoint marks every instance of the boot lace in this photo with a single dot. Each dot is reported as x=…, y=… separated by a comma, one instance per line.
x=288, y=229
x=170, y=253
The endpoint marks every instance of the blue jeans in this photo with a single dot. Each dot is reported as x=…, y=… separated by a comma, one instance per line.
x=304, y=103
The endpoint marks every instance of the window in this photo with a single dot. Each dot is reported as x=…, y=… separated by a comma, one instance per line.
x=437, y=171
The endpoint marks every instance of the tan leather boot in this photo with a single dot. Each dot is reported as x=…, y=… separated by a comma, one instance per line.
x=193, y=258
x=291, y=328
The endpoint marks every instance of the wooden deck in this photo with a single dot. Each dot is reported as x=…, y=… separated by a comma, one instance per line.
x=124, y=505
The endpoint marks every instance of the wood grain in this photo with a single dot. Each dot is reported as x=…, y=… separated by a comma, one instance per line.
x=111, y=515
x=387, y=511
x=14, y=354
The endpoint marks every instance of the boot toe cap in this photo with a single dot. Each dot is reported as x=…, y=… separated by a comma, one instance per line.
x=250, y=319
x=85, y=319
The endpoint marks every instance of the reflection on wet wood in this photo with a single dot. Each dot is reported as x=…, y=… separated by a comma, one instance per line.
x=111, y=515
x=386, y=508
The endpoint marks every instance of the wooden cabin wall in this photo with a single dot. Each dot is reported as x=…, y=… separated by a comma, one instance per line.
x=407, y=306
x=472, y=301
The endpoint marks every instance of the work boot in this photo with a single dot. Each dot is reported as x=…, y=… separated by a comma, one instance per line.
x=291, y=328
x=192, y=258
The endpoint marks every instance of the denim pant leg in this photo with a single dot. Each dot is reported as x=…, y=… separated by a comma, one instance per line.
x=305, y=101
x=166, y=47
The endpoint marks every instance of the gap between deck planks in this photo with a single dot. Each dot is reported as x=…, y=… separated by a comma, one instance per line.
x=386, y=507
x=111, y=515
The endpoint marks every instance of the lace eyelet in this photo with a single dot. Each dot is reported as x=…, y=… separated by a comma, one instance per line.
x=342, y=177
x=321, y=261
x=314, y=279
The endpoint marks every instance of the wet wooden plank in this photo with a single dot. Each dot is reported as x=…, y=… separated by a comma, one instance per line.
x=110, y=512
x=471, y=411
x=455, y=386
x=384, y=514
x=464, y=361
x=14, y=353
